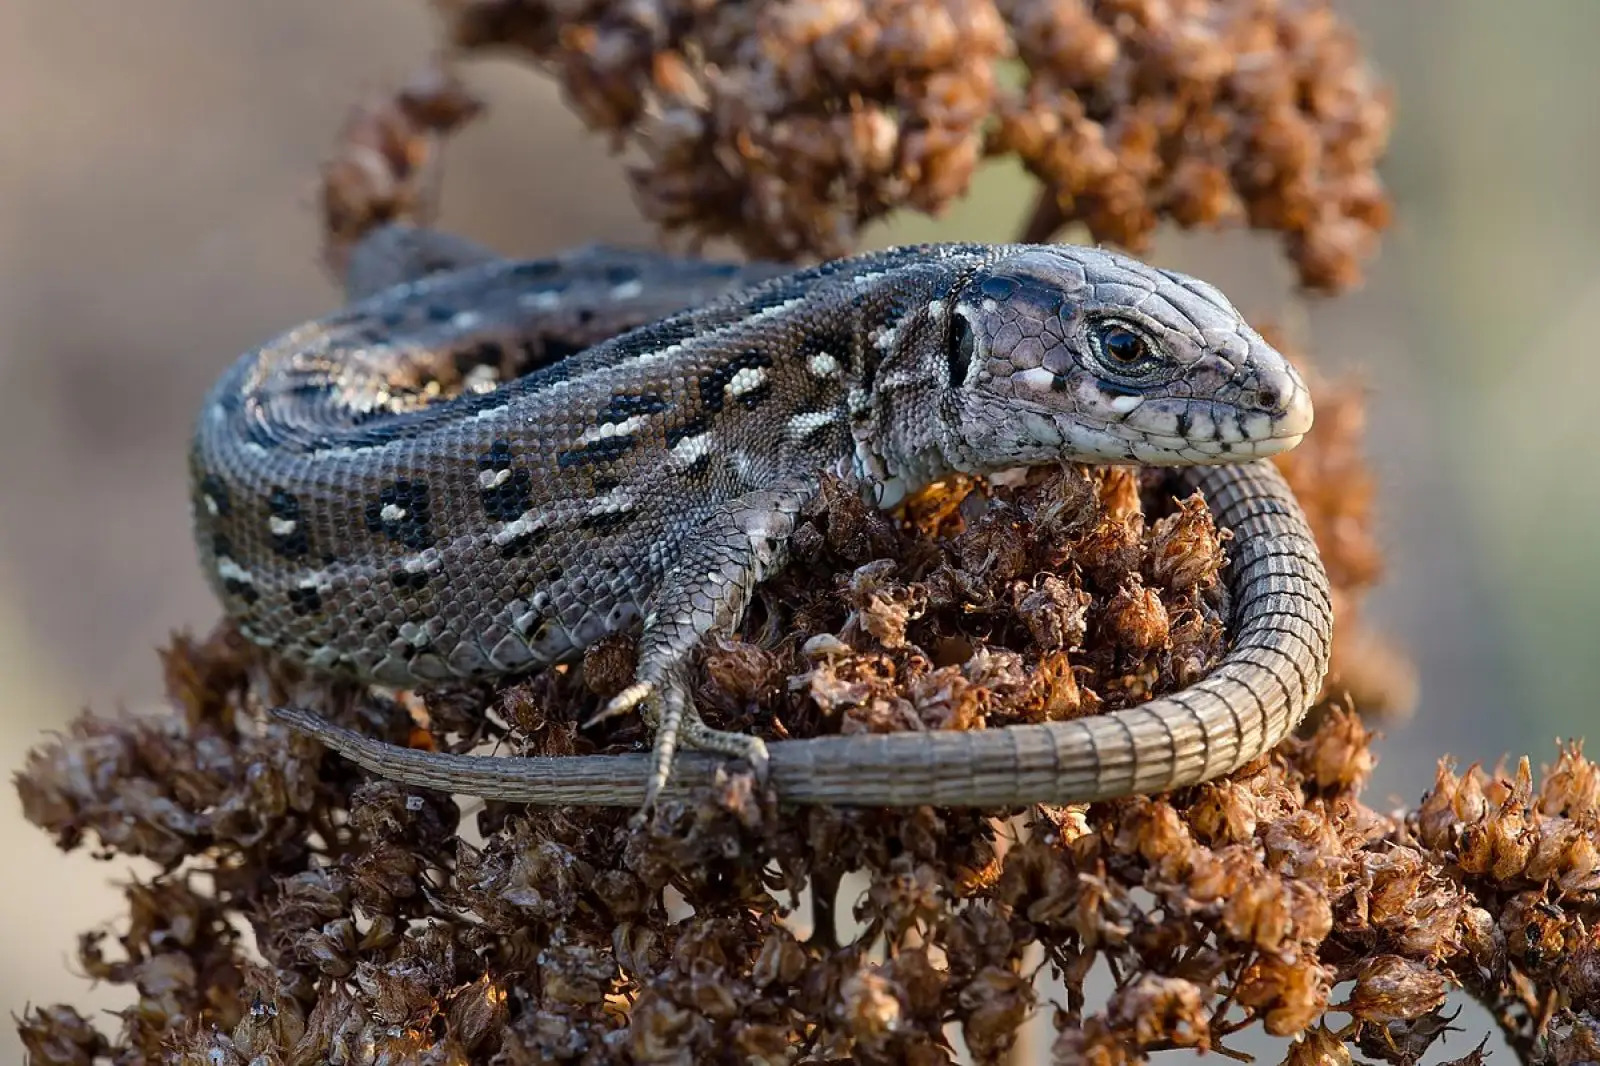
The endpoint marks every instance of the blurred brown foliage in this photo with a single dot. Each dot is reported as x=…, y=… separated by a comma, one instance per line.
x=1273, y=897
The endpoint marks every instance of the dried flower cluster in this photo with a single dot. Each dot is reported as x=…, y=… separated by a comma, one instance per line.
x=385, y=165
x=788, y=127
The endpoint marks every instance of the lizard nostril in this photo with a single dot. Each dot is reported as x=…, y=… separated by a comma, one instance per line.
x=1269, y=395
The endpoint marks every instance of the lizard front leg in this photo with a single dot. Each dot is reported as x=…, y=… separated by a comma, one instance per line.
x=743, y=542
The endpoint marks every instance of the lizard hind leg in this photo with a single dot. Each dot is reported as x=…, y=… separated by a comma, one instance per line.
x=743, y=542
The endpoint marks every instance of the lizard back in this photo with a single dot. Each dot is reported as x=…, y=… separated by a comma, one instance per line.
x=484, y=471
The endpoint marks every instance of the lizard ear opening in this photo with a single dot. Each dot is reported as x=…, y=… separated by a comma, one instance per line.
x=960, y=347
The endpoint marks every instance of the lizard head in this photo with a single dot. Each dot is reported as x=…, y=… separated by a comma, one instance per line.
x=1060, y=351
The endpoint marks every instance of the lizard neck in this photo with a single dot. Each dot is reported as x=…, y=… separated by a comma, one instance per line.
x=903, y=417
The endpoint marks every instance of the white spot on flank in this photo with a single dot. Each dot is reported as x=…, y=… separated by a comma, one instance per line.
x=689, y=449
x=859, y=401
x=518, y=527
x=229, y=570
x=864, y=280
x=212, y=507
x=493, y=479
x=617, y=501
x=886, y=338
x=422, y=562
x=392, y=512
x=280, y=527
x=747, y=380
x=936, y=309
x=627, y=290
x=466, y=319
x=612, y=429
x=823, y=365
x=802, y=425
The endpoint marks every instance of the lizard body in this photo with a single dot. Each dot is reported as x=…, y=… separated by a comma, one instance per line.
x=480, y=467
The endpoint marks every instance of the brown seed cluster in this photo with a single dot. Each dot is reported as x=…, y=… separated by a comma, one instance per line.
x=788, y=127
x=1203, y=112
x=567, y=935
x=385, y=165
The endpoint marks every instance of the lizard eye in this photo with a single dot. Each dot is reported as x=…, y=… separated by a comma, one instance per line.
x=962, y=344
x=1122, y=348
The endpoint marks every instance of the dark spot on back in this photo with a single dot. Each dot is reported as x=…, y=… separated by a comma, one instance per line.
x=603, y=483
x=699, y=467
x=304, y=600
x=413, y=580
x=757, y=396
x=625, y=405
x=814, y=345
x=716, y=380
x=621, y=275
x=604, y=450
x=412, y=527
x=295, y=543
x=243, y=590
x=524, y=544
x=506, y=501
x=1185, y=422
x=217, y=491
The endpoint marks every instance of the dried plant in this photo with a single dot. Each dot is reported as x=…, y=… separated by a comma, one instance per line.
x=382, y=928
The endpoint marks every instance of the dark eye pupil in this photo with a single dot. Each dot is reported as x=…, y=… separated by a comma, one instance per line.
x=1123, y=345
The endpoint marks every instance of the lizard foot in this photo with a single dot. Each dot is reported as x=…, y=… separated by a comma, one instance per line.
x=676, y=722
x=669, y=712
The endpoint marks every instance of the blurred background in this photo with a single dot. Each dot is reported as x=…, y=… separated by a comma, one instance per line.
x=158, y=164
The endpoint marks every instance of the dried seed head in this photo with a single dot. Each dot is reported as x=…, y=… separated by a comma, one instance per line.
x=1391, y=988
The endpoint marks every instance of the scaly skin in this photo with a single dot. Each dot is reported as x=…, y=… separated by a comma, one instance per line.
x=357, y=524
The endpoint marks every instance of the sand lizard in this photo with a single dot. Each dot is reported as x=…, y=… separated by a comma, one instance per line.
x=481, y=466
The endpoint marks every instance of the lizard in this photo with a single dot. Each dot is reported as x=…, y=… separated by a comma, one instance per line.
x=480, y=466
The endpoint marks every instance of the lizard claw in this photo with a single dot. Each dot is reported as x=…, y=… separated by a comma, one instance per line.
x=622, y=702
